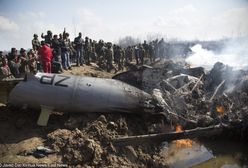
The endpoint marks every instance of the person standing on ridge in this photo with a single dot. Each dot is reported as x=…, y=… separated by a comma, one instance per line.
x=45, y=53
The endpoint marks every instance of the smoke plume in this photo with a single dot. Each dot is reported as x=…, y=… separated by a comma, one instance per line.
x=233, y=52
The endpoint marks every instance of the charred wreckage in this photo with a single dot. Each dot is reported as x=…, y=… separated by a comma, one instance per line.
x=204, y=103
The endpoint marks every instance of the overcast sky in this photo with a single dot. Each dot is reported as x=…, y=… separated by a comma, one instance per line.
x=112, y=19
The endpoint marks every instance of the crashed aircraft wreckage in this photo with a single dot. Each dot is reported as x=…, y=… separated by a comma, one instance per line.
x=56, y=92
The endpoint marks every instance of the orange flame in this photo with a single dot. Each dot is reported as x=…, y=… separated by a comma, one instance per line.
x=182, y=142
x=179, y=128
x=220, y=109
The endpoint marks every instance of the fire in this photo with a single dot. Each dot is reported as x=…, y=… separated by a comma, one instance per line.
x=179, y=128
x=182, y=142
x=220, y=109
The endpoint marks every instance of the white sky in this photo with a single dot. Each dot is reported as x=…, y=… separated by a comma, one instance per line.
x=112, y=19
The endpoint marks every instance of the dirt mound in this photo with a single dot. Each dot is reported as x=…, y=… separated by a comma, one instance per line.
x=75, y=147
x=90, y=144
x=83, y=140
x=92, y=70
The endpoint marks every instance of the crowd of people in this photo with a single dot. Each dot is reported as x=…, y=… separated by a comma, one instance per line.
x=56, y=53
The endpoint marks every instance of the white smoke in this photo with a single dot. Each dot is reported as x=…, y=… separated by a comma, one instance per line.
x=234, y=53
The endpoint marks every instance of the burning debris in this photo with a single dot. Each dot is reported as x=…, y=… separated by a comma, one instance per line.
x=191, y=96
x=220, y=109
x=182, y=142
x=192, y=100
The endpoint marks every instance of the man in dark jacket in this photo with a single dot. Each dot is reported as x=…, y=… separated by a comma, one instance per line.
x=79, y=42
x=57, y=60
x=48, y=38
